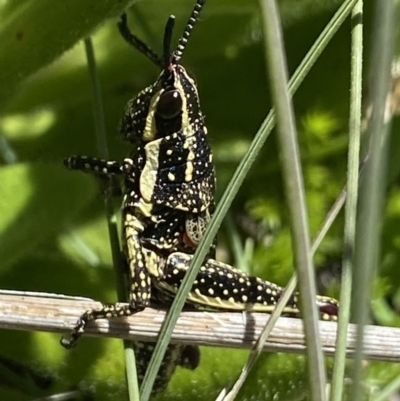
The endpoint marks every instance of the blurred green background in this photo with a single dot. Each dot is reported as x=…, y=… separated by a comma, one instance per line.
x=53, y=234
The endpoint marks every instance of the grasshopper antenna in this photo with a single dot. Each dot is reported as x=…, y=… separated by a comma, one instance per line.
x=188, y=30
x=137, y=43
x=169, y=27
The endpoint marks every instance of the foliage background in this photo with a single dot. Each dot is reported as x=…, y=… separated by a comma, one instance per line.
x=53, y=234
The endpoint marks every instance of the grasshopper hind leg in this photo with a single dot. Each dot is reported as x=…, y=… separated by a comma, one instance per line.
x=221, y=287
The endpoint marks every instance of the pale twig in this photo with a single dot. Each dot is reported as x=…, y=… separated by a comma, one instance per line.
x=41, y=312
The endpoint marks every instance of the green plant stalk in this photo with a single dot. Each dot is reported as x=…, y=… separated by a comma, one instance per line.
x=229, y=194
x=130, y=362
x=351, y=201
x=295, y=193
x=368, y=235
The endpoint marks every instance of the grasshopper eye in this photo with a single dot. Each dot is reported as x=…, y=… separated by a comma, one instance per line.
x=169, y=105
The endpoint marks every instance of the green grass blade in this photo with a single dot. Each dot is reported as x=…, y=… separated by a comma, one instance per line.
x=372, y=191
x=295, y=192
x=351, y=201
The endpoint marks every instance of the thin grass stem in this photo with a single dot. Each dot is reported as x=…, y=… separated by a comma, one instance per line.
x=351, y=201
x=369, y=219
x=131, y=374
x=295, y=192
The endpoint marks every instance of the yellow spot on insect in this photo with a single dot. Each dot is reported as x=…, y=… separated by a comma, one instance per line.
x=189, y=171
x=211, y=291
x=171, y=177
x=226, y=292
x=175, y=271
x=268, y=291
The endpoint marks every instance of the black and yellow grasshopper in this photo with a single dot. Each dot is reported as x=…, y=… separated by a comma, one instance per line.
x=169, y=184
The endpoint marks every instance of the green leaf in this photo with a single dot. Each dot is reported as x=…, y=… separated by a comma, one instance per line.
x=33, y=34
